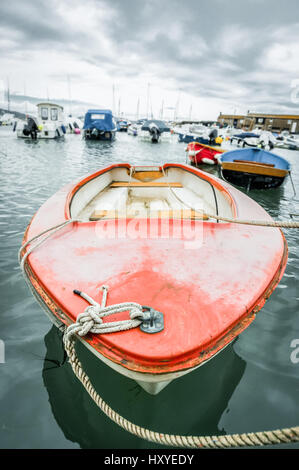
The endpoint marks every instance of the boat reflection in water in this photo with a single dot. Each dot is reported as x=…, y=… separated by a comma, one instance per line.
x=192, y=405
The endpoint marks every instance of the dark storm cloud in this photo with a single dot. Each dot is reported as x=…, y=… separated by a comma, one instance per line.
x=219, y=45
x=36, y=25
x=210, y=48
x=32, y=22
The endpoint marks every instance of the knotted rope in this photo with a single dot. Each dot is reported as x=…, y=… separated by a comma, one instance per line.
x=91, y=320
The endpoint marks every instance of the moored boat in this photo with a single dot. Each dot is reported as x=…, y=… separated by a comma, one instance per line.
x=123, y=125
x=254, y=168
x=148, y=234
x=243, y=139
x=198, y=153
x=287, y=141
x=48, y=124
x=155, y=131
x=187, y=138
x=99, y=124
x=133, y=130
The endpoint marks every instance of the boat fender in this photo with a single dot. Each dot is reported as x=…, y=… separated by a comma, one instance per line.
x=208, y=161
x=63, y=129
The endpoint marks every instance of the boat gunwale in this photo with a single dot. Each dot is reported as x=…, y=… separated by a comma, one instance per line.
x=254, y=168
x=216, y=150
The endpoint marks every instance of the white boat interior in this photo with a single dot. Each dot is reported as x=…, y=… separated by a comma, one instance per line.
x=148, y=192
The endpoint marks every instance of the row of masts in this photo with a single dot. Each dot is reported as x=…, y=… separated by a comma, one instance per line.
x=116, y=112
x=149, y=109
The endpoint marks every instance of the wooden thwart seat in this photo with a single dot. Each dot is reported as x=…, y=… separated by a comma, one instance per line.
x=160, y=214
x=144, y=184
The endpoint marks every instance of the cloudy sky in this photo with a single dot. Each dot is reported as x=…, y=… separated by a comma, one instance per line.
x=198, y=56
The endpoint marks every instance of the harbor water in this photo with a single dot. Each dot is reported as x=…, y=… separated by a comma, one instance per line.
x=252, y=385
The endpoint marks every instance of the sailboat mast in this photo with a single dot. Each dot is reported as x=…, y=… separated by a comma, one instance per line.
x=69, y=92
x=162, y=110
x=113, y=99
x=8, y=95
x=147, y=100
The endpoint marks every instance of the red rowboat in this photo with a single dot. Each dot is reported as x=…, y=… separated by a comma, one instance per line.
x=143, y=232
x=201, y=153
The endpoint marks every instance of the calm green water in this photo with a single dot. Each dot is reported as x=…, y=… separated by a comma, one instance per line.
x=252, y=385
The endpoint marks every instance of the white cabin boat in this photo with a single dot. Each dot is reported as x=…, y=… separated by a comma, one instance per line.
x=49, y=123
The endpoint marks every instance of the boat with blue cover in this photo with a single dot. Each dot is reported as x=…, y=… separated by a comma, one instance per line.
x=187, y=138
x=249, y=139
x=207, y=136
x=122, y=125
x=253, y=168
x=99, y=124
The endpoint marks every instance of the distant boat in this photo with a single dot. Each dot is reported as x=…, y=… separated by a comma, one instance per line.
x=48, y=124
x=204, y=135
x=198, y=153
x=287, y=141
x=99, y=124
x=244, y=139
x=74, y=125
x=123, y=125
x=253, y=168
x=154, y=131
x=187, y=138
x=7, y=119
x=133, y=130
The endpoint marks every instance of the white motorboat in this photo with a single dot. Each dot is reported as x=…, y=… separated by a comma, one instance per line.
x=48, y=124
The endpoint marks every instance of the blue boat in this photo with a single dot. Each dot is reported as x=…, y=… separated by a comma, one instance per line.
x=99, y=125
x=207, y=138
x=122, y=125
x=187, y=138
x=253, y=168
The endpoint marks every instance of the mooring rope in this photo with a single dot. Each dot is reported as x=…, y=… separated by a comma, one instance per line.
x=50, y=231
x=260, y=223
x=261, y=438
